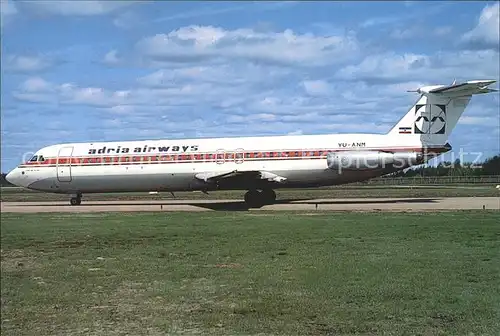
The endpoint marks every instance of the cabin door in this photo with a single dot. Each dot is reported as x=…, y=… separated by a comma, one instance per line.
x=63, y=165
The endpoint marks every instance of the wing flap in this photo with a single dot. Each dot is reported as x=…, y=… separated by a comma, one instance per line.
x=207, y=176
x=260, y=175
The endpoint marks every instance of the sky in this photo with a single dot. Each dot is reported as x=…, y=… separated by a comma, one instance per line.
x=82, y=71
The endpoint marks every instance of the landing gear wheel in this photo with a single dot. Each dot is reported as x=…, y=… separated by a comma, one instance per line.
x=253, y=198
x=75, y=200
x=268, y=196
x=258, y=198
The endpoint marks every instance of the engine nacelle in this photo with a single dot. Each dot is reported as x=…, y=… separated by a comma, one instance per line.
x=370, y=160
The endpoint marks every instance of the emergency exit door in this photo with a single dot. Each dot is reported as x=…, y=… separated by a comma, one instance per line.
x=63, y=165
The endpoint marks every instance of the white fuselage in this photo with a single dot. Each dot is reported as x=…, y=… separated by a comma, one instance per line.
x=175, y=165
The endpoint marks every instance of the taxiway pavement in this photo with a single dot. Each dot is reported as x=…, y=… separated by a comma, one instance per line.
x=338, y=204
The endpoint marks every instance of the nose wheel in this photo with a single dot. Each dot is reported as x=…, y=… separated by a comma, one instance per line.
x=76, y=200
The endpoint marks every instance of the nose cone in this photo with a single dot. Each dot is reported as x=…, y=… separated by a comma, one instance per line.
x=10, y=177
x=13, y=177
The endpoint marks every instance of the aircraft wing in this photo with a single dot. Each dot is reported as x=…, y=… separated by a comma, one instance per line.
x=255, y=174
x=470, y=87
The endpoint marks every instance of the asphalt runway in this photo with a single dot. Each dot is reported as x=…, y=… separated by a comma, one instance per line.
x=344, y=204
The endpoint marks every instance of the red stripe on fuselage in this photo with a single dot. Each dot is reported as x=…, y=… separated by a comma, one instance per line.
x=131, y=159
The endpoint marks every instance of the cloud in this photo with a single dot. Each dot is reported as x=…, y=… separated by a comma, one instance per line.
x=428, y=10
x=387, y=66
x=22, y=63
x=297, y=132
x=146, y=95
x=225, y=74
x=263, y=117
x=35, y=84
x=316, y=87
x=406, y=33
x=75, y=8
x=242, y=105
x=121, y=109
x=486, y=33
x=442, y=31
x=181, y=95
x=204, y=43
x=111, y=58
x=394, y=67
x=37, y=90
x=418, y=30
x=484, y=121
x=382, y=20
x=207, y=11
x=7, y=11
x=126, y=20
x=362, y=95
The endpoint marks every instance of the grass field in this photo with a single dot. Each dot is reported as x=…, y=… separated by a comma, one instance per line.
x=355, y=191
x=249, y=274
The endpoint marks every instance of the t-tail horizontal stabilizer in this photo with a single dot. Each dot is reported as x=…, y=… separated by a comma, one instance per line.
x=457, y=90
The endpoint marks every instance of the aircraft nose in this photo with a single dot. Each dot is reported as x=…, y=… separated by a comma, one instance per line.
x=13, y=177
x=10, y=177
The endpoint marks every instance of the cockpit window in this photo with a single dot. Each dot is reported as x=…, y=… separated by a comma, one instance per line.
x=37, y=158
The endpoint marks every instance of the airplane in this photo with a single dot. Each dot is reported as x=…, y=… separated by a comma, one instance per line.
x=259, y=165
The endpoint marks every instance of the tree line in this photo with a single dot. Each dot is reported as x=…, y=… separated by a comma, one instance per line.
x=490, y=166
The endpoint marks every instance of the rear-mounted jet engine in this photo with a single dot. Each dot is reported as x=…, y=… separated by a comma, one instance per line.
x=366, y=160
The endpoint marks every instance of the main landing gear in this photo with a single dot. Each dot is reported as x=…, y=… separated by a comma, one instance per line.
x=258, y=198
x=77, y=200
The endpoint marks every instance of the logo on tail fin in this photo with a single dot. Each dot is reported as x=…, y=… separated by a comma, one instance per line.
x=431, y=119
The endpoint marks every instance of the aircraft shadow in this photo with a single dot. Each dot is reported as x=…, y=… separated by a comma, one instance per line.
x=241, y=205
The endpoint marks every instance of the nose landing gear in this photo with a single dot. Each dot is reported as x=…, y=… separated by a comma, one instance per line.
x=258, y=198
x=77, y=200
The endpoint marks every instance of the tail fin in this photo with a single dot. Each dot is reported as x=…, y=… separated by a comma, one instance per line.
x=438, y=110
